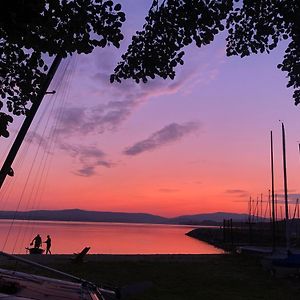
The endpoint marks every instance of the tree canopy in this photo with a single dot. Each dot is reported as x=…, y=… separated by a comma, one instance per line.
x=253, y=26
x=31, y=30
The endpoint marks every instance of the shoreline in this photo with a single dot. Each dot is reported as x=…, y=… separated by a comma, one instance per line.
x=211, y=236
x=173, y=276
x=67, y=258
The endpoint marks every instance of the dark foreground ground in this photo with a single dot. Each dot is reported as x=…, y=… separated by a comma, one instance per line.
x=176, y=277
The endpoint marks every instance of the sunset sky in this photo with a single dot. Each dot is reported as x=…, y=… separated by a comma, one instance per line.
x=199, y=143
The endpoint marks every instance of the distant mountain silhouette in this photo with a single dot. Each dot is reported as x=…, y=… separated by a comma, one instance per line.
x=83, y=216
x=209, y=217
x=119, y=217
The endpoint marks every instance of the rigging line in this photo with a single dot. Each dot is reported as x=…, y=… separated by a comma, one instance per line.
x=295, y=209
x=66, y=93
x=28, y=120
x=40, y=179
x=34, y=103
x=36, y=156
x=13, y=135
x=54, y=101
x=21, y=225
x=54, y=135
x=46, y=162
x=21, y=158
x=29, y=195
x=12, y=141
x=17, y=166
x=46, y=153
x=36, y=126
x=40, y=169
x=266, y=210
x=19, y=202
x=6, y=192
x=255, y=210
x=39, y=189
x=9, y=185
x=49, y=158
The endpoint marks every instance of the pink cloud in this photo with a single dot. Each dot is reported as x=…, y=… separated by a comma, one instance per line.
x=168, y=134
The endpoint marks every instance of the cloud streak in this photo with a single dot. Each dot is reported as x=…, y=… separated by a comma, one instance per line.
x=38, y=140
x=109, y=116
x=168, y=190
x=292, y=198
x=237, y=193
x=89, y=157
x=168, y=134
x=127, y=97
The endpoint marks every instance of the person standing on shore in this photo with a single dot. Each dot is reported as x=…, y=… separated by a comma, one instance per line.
x=37, y=242
x=48, y=244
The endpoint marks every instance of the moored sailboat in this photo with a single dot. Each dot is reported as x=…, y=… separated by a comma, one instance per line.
x=287, y=262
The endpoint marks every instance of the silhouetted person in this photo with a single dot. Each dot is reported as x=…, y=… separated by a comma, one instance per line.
x=37, y=241
x=48, y=244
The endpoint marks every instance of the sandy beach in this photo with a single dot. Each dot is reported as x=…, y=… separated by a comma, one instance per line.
x=177, y=277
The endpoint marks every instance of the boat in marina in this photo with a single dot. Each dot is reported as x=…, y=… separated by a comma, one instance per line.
x=282, y=262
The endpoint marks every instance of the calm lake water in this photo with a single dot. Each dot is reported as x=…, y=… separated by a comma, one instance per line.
x=103, y=238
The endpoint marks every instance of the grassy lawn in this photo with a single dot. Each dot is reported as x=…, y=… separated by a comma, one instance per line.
x=179, y=277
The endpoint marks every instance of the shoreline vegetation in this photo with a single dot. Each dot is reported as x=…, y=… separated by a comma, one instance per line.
x=175, y=277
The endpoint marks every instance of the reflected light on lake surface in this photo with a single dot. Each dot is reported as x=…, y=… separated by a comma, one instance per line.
x=103, y=238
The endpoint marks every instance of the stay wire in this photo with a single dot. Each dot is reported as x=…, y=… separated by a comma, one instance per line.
x=22, y=194
x=53, y=138
x=11, y=184
x=36, y=158
x=46, y=153
x=18, y=165
x=54, y=134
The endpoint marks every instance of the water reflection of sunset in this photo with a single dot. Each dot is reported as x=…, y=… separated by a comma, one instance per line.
x=106, y=238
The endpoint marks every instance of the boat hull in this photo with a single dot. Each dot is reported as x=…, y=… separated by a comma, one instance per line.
x=35, y=250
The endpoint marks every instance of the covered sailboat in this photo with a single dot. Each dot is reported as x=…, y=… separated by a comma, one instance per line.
x=21, y=286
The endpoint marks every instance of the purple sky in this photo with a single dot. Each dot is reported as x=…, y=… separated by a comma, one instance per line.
x=197, y=144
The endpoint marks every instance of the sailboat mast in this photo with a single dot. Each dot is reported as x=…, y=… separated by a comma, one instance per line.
x=273, y=199
x=5, y=170
x=285, y=190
